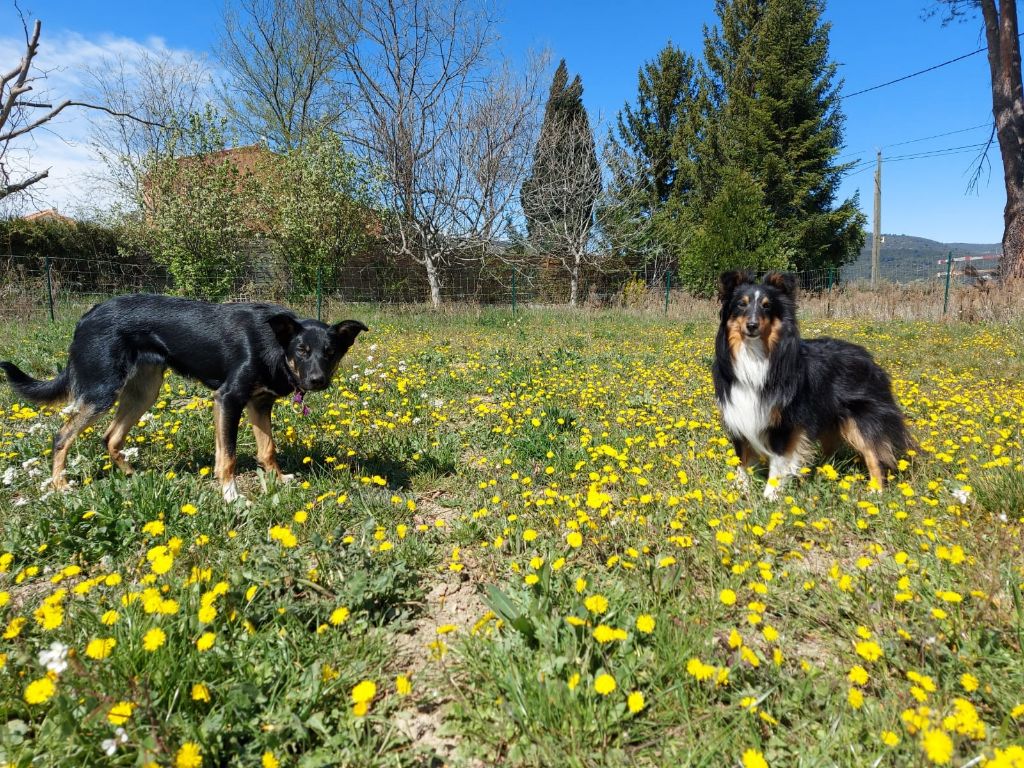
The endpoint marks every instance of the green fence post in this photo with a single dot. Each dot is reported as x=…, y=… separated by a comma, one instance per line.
x=319, y=290
x=668, y=287
x=949, y=272
x=49, y=286
x=513, y=291
x=831, y=277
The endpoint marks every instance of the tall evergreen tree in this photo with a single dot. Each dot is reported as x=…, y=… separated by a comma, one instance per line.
x=645, y=133
x=646, y=171
x=559, y=195
x=771, y=114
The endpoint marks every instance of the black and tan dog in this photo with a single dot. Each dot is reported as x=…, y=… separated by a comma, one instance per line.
x=249, y=354
x=779, y=394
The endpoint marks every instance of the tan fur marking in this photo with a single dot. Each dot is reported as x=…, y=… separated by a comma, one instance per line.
x=137, y=397
x=830, y=443
x=798, y=447
x=266, y=451
x=851, y=434
x=771, y=333
x=736, y=335
x=223, y=464
x=62, y=444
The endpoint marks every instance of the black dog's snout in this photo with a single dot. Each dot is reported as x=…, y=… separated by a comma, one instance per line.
x=751, y=325
x=318, y=380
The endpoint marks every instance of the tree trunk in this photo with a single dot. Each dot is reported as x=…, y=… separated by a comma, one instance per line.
x=433, y=279
x=1008, y=111
x=574, y=282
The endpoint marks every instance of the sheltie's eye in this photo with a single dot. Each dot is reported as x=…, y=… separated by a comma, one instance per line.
x=765, y=304
x=744, y=302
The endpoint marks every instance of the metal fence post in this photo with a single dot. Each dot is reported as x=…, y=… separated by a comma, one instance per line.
x=319, y=290
x=668, y=287
x=949, y=272
x=49, y=286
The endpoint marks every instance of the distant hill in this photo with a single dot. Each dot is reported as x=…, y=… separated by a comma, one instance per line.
x=905, y=257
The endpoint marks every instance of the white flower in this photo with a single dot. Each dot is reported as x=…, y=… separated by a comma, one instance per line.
x=9, y=473
x=130, y=453
x=56, y=659
x=109, y=746
x=29, y=463
x=373, y=347
x=961, y=494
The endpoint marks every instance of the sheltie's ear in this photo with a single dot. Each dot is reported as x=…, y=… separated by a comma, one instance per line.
x=781, y=281
x=729, y=280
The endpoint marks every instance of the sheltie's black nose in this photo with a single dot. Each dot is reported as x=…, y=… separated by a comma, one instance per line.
x=752, y=326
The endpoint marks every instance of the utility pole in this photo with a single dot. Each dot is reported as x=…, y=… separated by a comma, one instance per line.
x=876, y=240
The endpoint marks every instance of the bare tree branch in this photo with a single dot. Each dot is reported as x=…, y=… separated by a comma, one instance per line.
x=20, y=117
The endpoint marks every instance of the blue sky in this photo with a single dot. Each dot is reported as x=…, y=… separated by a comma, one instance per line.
x=607, y=42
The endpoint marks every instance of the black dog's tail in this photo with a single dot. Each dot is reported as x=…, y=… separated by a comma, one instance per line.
x=50, y=392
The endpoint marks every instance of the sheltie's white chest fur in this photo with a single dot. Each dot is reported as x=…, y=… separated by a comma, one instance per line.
x=746, y=412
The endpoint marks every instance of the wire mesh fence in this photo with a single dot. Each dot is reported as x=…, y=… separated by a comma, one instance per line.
x=62, y=287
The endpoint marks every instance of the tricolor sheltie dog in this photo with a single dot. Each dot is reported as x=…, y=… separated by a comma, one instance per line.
x=780, y=394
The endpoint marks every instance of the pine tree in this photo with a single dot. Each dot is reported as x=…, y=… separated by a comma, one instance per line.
x=560, y=194
x=771, y=113
x=645, y=133
x=646, y=172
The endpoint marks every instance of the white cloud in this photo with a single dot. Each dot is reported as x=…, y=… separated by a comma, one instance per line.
x=62, y=145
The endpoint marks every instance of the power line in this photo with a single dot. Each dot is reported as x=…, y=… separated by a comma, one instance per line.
x=915, y=74
x=930, y=153
x=914, y=141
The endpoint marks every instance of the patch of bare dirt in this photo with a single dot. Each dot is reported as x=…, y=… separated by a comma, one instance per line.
x=451, y=608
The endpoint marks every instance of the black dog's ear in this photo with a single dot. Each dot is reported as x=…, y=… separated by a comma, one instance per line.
x=347, y=330
x=285, y=327
x=782, y=282
x=729, y=280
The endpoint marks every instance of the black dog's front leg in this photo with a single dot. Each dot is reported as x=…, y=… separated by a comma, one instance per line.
x=227, y=411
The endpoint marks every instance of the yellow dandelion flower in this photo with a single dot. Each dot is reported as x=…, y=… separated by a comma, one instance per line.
x=120, y=712
x=727, y=597
x=937, y=746
x=596, y=604
x=645, y=623
x=154, y=639
x=364, y=692
x=889, y=738
x=99, y=648
x=752, y=758
x=605, y=684
x=40, y=691
x=403, y=685
x=339, y=616
x=635, y=702
x=200, y=692
x=189, y=755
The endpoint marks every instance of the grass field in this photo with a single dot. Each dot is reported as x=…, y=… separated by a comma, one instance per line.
x=516, y=540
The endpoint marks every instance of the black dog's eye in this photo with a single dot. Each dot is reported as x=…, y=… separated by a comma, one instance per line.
x=302, y=350
x=744, y=301
x=765, y=304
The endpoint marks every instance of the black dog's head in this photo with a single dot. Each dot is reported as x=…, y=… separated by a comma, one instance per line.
x=753, y=310
x=312, y=350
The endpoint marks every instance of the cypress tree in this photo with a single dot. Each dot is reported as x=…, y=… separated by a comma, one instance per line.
x=771, y=114
x=559, y=195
